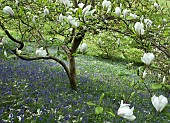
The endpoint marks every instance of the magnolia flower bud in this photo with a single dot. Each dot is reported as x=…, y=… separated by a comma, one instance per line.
x=125, y=13
x=133, y=15
x=5, y=53
x=86, y=10
x=61, y=18
x=144, y=74
x=73, y=21
x=156, y=5
x=159, y=75
x=118, y=11
x=40, y=52
x=118, y=42
x=8, y=10
x=46, y=11
x=34, y=19
x=148, y=23
x=18, y=51
x=83, y=48
x=159, y=102
x=139, y=28
x=147, y=58
x=4, y=40
x=125, y=111
x=164, y=79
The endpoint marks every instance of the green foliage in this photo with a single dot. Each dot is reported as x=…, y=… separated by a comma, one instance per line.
x=111, y=113
x=156, y=86
x=98, y=110
x=101, y=98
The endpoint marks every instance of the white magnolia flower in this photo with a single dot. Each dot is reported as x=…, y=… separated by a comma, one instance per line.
x=125, y=13
x=125, y=111
x=18, y=51
x=8, y=10
x=81, y=5
x=5, y=53
x=73, y=21
x=106, y=4
x=40, y=52
x=133, y=15
x=156, y=5
x=83, y=48
x=4, y=40
x=46, y=11
x=148, y=23
x=66, y=2
x=147, y=58
x=118, y=42
x=86, y=10
x=70, y=29
x=164, y=79
x=139, y=28
x=34, y=19
x=118, y=11
x=144, y=74
x=159, y=102
x=159, y=75
x=61, y=18
x=72, y=10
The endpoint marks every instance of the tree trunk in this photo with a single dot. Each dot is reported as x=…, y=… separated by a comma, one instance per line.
x=72, y=72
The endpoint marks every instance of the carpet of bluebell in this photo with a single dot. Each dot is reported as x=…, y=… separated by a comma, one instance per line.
x=39, y=91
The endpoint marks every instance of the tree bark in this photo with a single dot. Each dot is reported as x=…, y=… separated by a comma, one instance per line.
x=72, y=71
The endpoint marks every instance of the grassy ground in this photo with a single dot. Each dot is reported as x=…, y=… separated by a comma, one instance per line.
x=38, y=91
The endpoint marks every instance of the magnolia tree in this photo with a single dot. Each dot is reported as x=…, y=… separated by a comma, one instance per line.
x=61, y=25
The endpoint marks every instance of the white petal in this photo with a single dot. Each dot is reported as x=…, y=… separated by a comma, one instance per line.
x=8, y=10
x=86, y=9
x=81, y=5
x=130, y=118
x=163, y=102
x=118, y=11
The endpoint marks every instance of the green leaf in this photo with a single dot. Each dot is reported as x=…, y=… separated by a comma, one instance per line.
x=74, y=54
x=167, y=86
x=111, y=113
x=91, y=104
x=132, y=94
x=167, y=114
x=101, y=97
x=156, y=86
x=98, y=110
x=132, y=83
